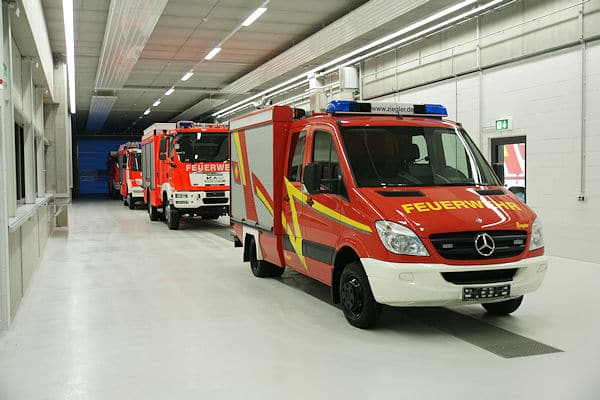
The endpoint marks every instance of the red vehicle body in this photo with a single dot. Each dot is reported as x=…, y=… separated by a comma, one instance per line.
x=185, y=171
x=387, y=204
x=130, y=172
x=112, y=173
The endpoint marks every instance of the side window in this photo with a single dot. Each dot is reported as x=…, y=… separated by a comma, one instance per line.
x=456, y=157
x=171, y=148
x=325, y=154
x=162, y=148
x=423, y=156
x=297, y=150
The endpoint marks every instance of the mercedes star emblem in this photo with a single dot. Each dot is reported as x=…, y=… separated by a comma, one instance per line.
x=478, y=220
x=484, y=244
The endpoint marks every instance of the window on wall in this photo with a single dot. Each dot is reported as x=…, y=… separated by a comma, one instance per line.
x=20, y=162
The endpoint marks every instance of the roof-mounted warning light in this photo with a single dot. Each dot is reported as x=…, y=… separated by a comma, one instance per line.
x=184, y=124
x=354, y=107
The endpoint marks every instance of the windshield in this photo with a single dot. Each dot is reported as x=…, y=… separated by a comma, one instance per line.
x=414, y=156
x=137, y=161
x=211, y=146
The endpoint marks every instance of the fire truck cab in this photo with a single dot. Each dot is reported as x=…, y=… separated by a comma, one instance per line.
x=112, y=172
x=130, y=172
x=185, y=171
x=385, y=203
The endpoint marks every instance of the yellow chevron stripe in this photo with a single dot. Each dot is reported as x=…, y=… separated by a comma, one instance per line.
x=264, y=200
x=238, y=147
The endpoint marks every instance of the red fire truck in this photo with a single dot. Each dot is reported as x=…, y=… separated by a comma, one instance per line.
x=130, y=171
x=112, y=174
x=185, y=171
x=385, y=203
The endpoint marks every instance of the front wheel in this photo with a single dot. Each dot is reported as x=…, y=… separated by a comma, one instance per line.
x=503, y=307
x=152, y=211
x=130, y=201
x=359, y=306
x=173, y=217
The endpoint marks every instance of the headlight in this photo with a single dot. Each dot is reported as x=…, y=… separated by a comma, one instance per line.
x=399, y=239
x=181, y=195
x=537, y=235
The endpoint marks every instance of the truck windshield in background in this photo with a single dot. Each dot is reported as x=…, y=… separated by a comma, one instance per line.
x=414, y=156
x=201, y=147
x=137, y=162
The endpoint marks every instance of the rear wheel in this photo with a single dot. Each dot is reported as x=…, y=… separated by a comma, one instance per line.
x=152, y=211
x=130, y=201
x=173, y=217
x=357, y=301
x=262, y=268
x=503, y=307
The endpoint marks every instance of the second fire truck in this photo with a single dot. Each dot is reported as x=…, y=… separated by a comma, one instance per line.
x=185, y=168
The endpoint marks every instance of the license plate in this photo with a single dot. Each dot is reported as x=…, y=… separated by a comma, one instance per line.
x=485, y=292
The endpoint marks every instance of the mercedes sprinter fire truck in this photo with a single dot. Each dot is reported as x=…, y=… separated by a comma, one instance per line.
x=130, y=169
x=385, y=203
x=185, y=171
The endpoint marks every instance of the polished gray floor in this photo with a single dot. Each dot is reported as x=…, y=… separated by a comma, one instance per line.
x=123, y=308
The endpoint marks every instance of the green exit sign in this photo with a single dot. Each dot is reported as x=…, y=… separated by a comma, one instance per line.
x=503, y=124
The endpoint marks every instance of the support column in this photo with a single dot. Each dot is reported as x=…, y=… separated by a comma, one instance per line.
x=8, y=114
x=5, y=185
x=40, y=142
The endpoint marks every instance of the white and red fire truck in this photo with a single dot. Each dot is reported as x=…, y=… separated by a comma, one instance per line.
x=130, y=171
x=386, y=203
x=185, y=171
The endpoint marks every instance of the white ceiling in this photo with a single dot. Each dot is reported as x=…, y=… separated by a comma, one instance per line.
x=183, y=35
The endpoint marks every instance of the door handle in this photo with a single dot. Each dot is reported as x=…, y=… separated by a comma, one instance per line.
x=310, y=202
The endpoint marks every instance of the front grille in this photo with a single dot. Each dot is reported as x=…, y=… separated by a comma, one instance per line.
x=215, y=194
x=461, y=245
x=479, y=277
x=215, y=200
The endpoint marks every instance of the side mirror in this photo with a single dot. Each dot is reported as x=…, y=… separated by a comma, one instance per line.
x=173, y=165
x=162, y=156
x=312, y=178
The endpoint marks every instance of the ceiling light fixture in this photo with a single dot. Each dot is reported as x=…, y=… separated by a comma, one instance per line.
x=170, y=91
x=156, y=103
x=255, y=15
x=187, y=76
x=212, y=53
x=70, y=44
x=320, y=68
x=147, y=111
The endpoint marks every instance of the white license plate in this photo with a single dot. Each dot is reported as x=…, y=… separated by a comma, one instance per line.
x=485, y=292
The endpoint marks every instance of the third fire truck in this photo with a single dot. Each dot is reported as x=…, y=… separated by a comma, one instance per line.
x=185, y=171
x=130, y=170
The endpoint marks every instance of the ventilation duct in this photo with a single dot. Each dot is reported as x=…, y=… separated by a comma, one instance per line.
x=128, y=27
x=99, y=110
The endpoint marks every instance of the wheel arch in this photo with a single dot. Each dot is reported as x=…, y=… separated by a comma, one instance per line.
x=344, y=255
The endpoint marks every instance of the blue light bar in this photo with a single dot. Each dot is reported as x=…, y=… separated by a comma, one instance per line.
x=185, y=124
x=342, y=106
x=436, y=109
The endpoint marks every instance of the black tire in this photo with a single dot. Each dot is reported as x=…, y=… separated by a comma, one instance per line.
x=503, y=307
x=152, y=211
x=130, y=201
x=173, y=217
x=356, y=298
x=262, y=268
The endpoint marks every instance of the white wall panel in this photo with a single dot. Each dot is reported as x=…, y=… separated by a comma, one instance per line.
x=17, y=84
x=15, y=271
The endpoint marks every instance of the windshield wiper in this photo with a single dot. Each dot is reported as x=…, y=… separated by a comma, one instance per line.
x=461, y=184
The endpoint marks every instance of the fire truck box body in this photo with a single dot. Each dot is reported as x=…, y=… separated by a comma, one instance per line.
x=185, y=171
x=130, y=170
x=393, y=205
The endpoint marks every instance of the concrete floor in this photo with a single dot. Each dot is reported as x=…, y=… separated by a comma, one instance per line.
x=123, y=308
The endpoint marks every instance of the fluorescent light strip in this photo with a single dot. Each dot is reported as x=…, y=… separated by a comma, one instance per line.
x=187, y=76
x=147, y=111
x=375, y=43
x=170, y=91
x=156, y=103
x=254, y=16
x=212, y=53
x=414, y=36
x=70, y=44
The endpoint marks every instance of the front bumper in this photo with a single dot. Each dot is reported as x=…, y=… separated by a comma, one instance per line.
x=421, y=284
x=192, y=200
x=137, y=192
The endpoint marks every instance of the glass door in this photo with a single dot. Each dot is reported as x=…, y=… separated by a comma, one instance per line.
x=509, y=161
